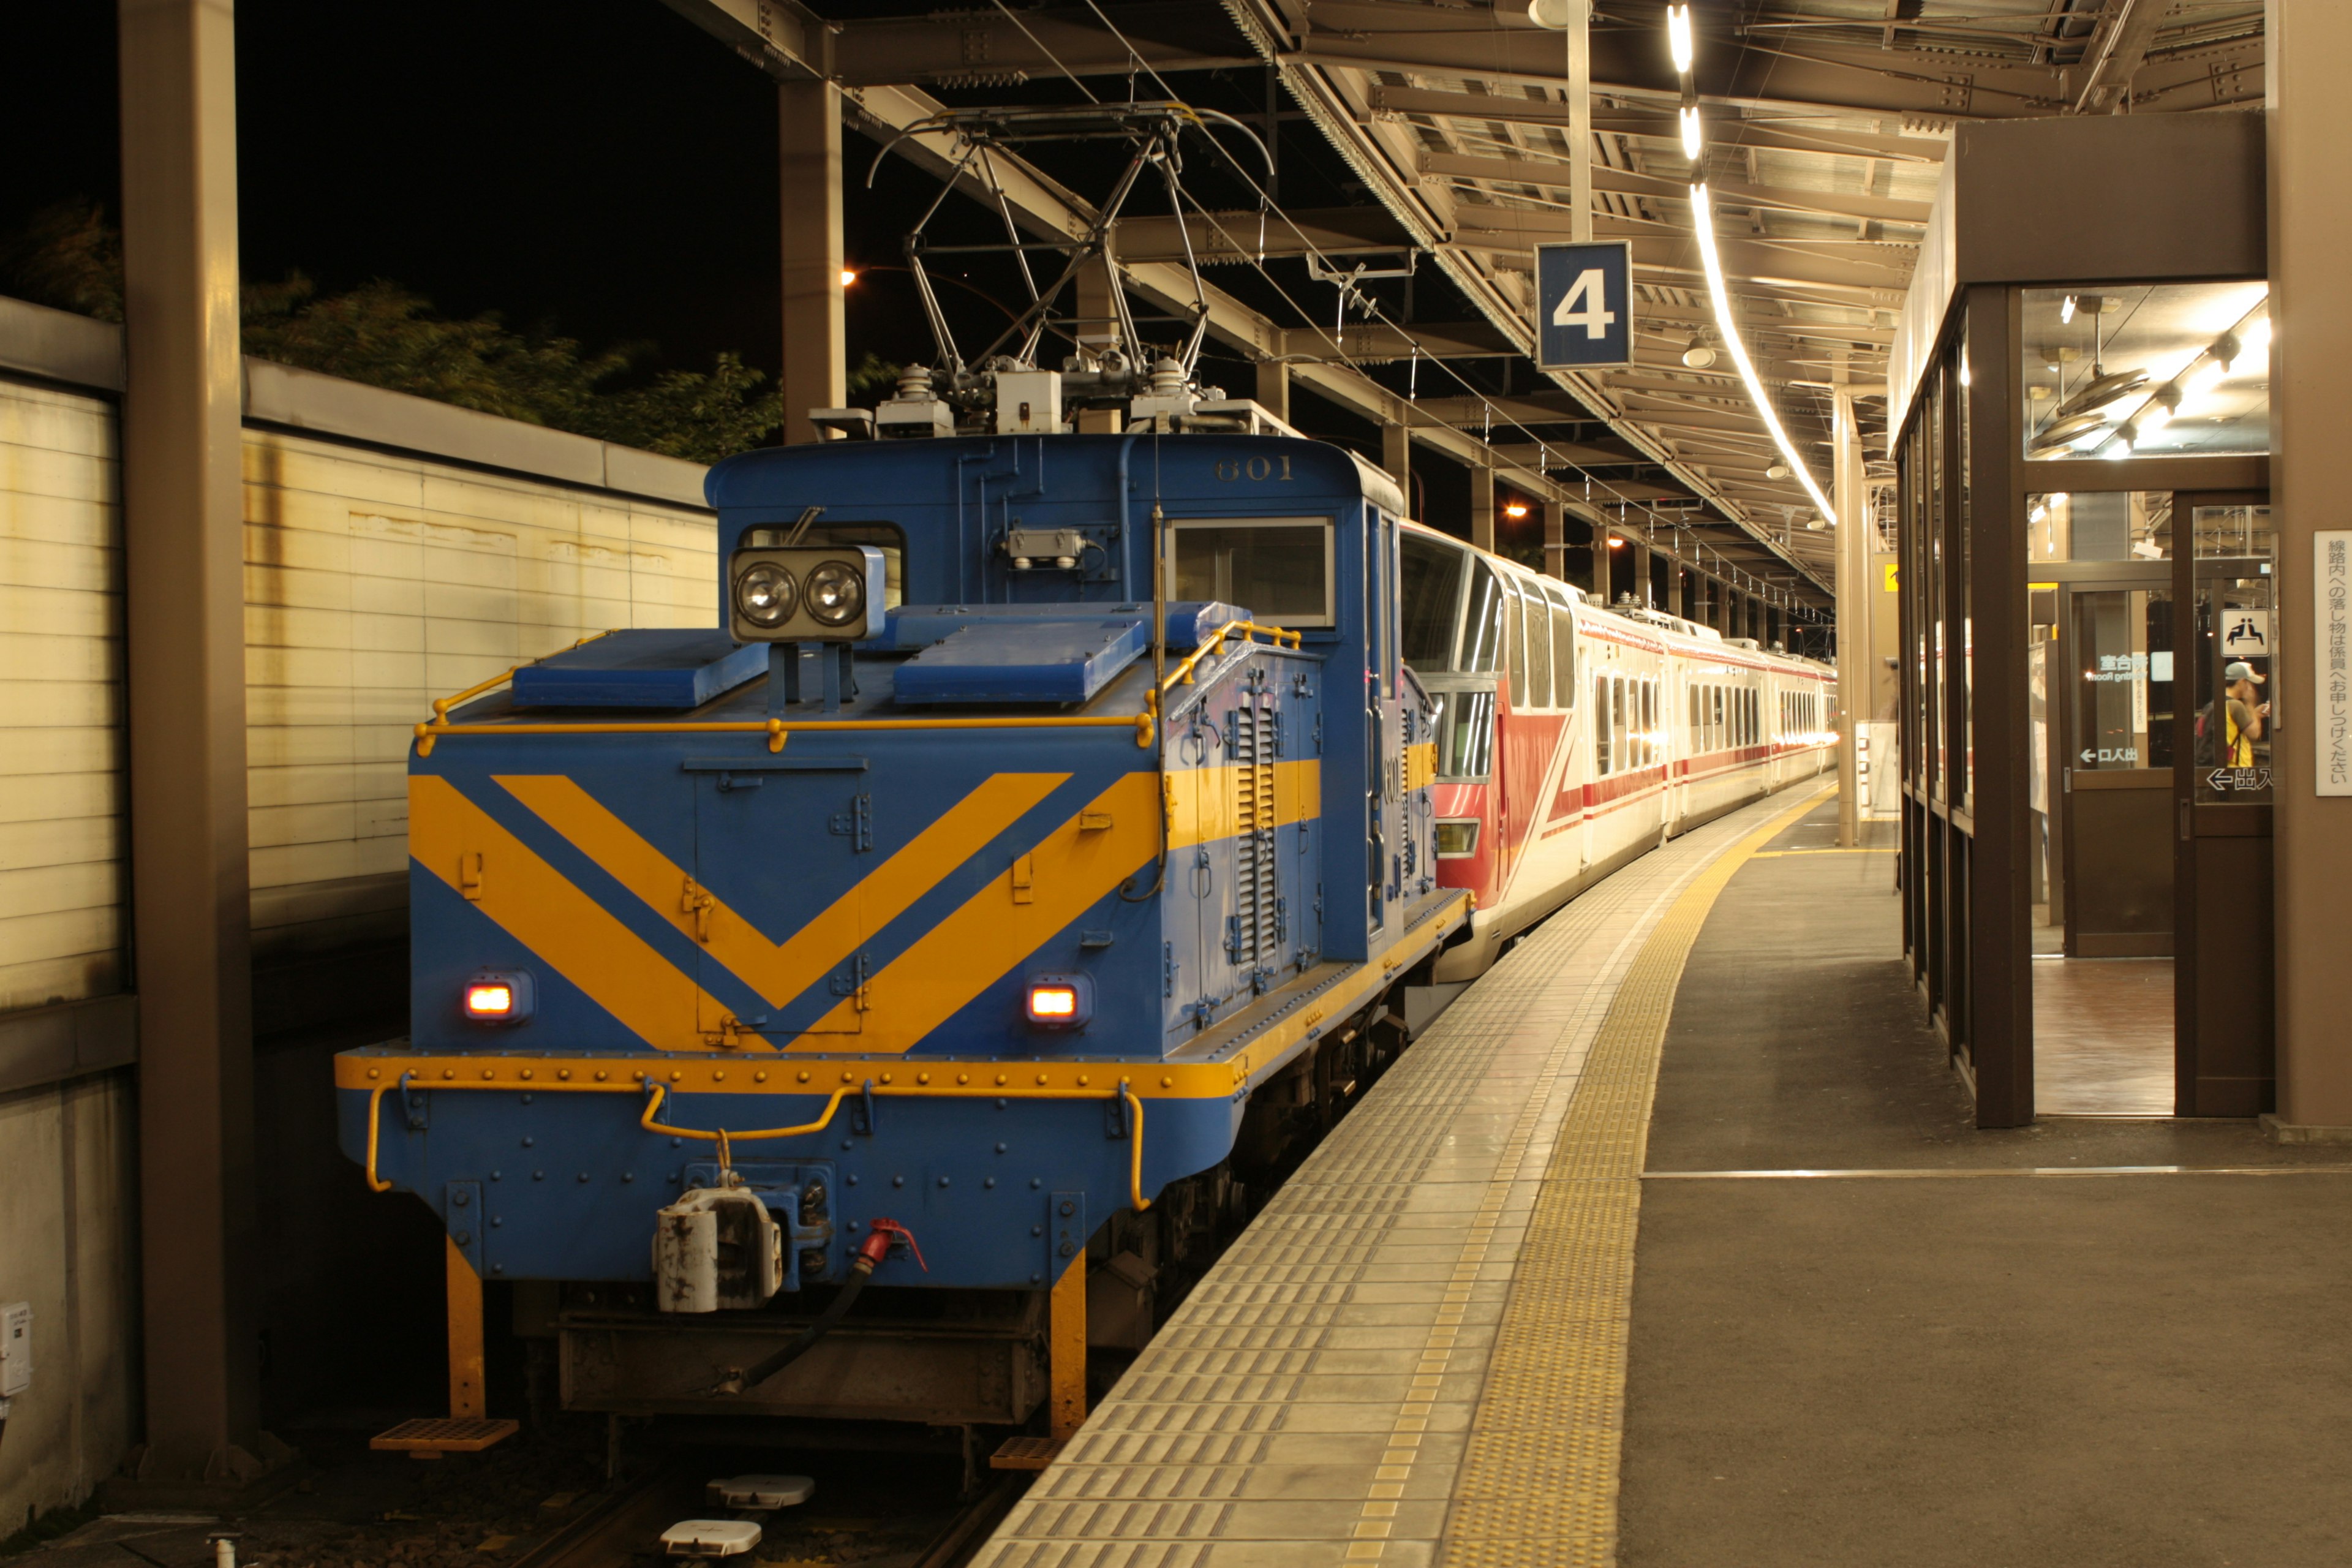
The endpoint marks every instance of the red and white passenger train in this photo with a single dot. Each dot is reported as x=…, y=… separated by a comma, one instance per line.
x=1572, y=738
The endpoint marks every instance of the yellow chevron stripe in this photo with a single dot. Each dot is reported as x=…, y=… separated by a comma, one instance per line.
x=1004, y=922
x=781, y=972
x=1202, y=802
x=460, y=842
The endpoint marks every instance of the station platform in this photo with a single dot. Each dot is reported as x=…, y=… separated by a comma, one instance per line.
x=1673, y=1242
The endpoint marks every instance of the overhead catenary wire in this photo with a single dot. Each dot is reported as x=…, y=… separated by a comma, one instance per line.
x=1372, y=309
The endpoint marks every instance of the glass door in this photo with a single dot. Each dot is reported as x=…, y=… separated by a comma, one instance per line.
x=2222, y=809
x=2115, y=767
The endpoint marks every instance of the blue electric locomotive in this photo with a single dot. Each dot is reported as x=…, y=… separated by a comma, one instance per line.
x=1046, y=830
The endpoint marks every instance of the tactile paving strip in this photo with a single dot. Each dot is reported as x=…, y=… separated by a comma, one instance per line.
x=1312, y=1400
x=1538, y=1479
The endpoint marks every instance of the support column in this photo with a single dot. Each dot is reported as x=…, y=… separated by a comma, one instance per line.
x=1597, y=590
x=1482, y=506
x=2308, y=51
x=1274, y=388
x=1678, y=588
x=1848, y=494
x=184, y=559
x=1396, y=456
x=1555, y=521
x=808, y=120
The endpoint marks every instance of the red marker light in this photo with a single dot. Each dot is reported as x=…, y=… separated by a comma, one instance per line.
x=489, y=1001
x=1053, y=1002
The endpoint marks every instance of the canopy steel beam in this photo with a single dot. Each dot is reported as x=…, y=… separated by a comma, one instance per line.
x=1550, y=175
x=1501, y=109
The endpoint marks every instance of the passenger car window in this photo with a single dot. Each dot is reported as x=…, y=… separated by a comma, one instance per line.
x=1563, y=655
x=1536, y=626
x=1482, y=622
x=1514, y=655
x=1600, y=755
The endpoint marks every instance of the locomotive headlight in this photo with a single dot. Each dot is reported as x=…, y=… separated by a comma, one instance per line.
x=499, y=997
x=805, y=593
x=765, y=595
x=837, y=594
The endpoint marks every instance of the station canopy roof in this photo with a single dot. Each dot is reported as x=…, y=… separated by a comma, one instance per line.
x=1444, y=133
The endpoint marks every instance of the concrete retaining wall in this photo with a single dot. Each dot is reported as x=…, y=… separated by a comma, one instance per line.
x=396, y=550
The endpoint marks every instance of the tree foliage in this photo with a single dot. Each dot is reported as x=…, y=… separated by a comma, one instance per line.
x=386, y=336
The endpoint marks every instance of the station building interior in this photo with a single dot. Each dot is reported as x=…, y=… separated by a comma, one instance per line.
x=1838, y=1056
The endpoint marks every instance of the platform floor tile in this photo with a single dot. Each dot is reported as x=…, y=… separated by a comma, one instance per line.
x=1355, y=1381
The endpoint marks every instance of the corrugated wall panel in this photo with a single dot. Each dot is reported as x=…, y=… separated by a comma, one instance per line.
x=375, y=582
x=61, y=811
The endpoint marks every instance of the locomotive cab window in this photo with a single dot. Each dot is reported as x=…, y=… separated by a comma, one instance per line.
x=1278, y=569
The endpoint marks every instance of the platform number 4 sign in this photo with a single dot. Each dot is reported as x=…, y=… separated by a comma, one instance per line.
x=1582, y=293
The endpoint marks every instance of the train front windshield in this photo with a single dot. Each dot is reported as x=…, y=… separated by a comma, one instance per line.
x=1466, y=734
x=1452, y=614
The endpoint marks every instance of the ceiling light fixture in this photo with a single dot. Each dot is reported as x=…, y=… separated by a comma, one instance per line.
x=1693, y=135
x=1697, y=354
x=1678, y=36
x=1703, y=212
x=2067, y=311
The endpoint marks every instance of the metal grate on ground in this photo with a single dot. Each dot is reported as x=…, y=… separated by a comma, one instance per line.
x=1382, y=1368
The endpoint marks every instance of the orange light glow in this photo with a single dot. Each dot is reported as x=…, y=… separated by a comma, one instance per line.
x=1516, y=510
x=490, y=1001
x=848, y=276
x=1053, y=1002
x=1616, y=544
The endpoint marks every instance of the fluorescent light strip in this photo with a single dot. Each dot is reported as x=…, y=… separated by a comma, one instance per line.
x=1703, y=214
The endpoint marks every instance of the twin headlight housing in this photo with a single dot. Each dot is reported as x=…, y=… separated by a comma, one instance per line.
x=817, y=593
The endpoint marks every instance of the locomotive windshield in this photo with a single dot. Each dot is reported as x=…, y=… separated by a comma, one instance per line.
x=1278, y=569
x=1466, y=735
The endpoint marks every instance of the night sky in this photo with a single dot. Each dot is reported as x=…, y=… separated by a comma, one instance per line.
x=602, y=170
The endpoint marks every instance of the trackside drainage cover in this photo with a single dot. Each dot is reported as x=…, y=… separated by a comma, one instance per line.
x=711, y=1538
x=761, y=1491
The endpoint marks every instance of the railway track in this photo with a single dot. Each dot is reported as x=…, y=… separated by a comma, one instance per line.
x=623, y=1530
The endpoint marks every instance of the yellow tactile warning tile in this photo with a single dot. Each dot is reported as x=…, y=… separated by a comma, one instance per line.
x=1538, y=1479
x=1311, y=1402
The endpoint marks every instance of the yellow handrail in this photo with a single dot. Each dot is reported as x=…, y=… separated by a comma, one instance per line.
x=441, y=705
x=375, y=1105
x=660, y=1094
x=776, y=729
x=1183, y=673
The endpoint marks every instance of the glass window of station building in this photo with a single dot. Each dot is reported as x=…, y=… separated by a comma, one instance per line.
x=2080, y=402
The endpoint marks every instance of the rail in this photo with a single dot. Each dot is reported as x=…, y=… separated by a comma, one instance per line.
x=776, y=729
x=1183, y=674
x=430, y=732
